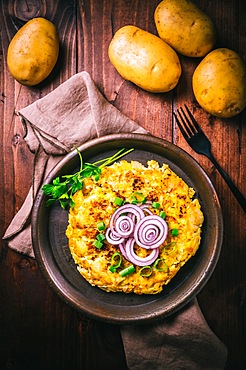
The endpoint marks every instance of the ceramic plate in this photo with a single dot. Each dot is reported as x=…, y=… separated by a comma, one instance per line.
x=51, y=247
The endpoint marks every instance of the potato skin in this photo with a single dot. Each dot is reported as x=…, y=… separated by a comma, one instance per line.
x=33, y=51
x=219, y=83
x=185, y=27
x=144, y=59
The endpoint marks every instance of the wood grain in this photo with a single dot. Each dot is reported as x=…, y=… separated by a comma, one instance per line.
x=37, y=329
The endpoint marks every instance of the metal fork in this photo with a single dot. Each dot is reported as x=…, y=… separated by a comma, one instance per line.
x=199, y=142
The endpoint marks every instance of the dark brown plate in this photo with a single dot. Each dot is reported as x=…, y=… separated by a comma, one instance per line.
x=51, y=247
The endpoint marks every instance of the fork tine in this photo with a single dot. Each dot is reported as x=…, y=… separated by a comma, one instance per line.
x=182, y=120
x=184, y=133
x=199, y=142
x=193, y=119
x=186, y=122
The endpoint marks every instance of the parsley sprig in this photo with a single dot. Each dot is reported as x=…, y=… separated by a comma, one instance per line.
x=62, y=189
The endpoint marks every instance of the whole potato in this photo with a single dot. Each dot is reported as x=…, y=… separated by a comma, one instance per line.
x=185, y=27
x=219, y=83
x=144, y=59
x=33, y=51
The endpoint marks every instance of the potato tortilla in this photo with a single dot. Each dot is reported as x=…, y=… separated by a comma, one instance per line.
x=167, y=196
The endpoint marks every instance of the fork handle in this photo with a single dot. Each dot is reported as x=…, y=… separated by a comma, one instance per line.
x=239, y=196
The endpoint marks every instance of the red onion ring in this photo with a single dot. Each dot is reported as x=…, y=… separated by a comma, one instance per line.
x=151, y=232
x=113, y=238
x=135, y=259
x=128, y=209
x=145, y=207
x=123, y=250
x=124, y=226
x=129, y=225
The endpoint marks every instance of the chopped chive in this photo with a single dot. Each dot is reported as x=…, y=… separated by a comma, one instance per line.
x=175, y=232
x=128, y=270
x=138, y=197
x=145, y=271
x=112, y=268
x=101, y=226
x=101, y=237
x=98, y=244
x=116, y=260
x=118, y=201
x=156, y=205
x=162, y=214
x=170, y=248
x=160, y=265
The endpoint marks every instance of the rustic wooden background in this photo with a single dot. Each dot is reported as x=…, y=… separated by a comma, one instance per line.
x=37, y=329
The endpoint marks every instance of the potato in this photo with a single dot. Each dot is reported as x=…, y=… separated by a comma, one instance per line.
x=185, y=27
x=33, y=51
x=219, y=83
x=144, y=59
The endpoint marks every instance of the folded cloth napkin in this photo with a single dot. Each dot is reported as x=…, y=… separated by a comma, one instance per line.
x=70, y=115
x=182, y=341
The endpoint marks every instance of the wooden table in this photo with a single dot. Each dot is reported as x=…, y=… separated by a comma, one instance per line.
x=37, y=329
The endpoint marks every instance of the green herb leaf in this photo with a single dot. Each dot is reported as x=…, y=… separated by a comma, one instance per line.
x=62, y=191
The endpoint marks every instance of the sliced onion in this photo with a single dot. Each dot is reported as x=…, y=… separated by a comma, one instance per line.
x=113, y=238
x=128, y=209
x=122, y=248
x=151, y=232
x=146, y=207
x=135, y=259
x=129, y=225
x=124, y=226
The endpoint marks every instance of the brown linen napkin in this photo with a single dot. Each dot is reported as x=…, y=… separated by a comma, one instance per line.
x=74, y=113
x=70, y=115
x=182, y=341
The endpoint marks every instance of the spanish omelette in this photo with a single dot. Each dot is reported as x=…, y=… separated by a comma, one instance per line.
x=95, y=204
